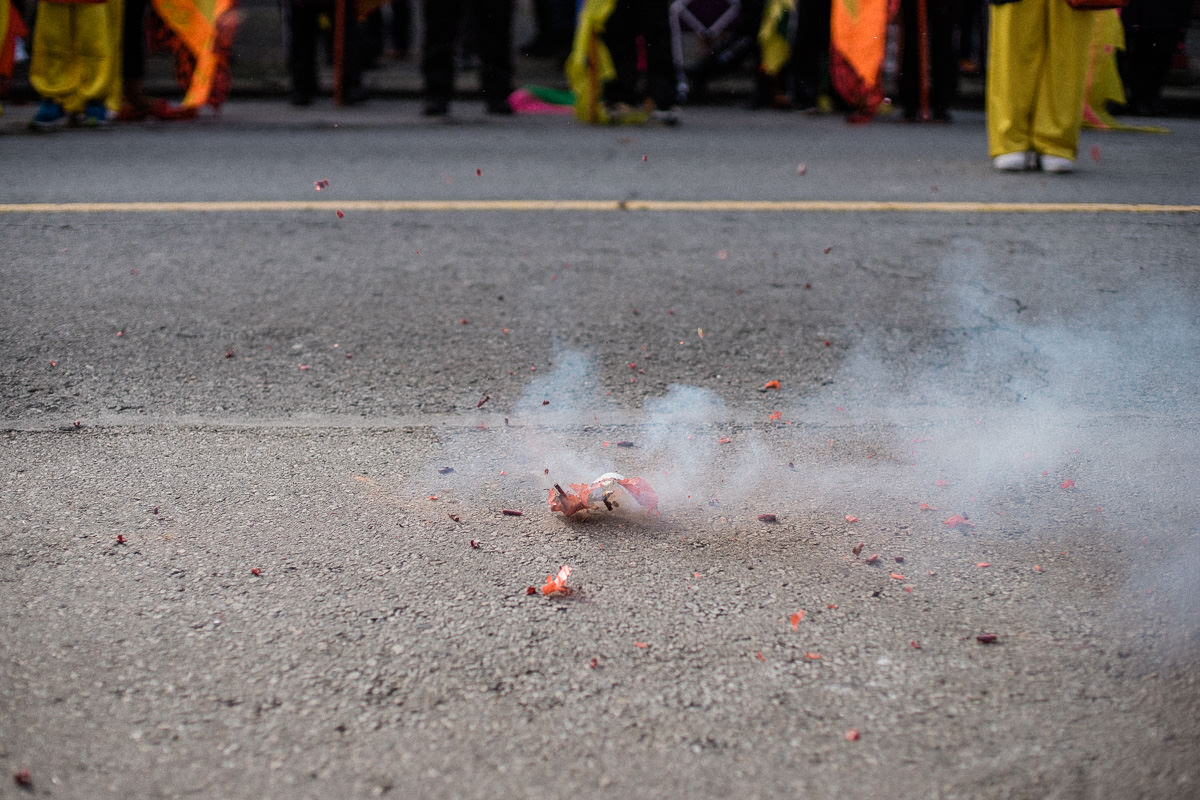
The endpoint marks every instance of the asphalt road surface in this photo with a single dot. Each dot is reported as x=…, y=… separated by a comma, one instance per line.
x=260, y=441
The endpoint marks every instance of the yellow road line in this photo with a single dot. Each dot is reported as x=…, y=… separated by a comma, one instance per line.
x=871, y=206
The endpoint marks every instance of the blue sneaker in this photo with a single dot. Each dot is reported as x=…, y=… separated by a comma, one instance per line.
x=49, y=114
x=95, y=115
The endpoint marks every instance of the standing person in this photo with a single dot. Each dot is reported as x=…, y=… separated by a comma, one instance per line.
x=305, y=29
x=1152, y=31
x=613, y=39
x=1036, y=79
x=493, y=24
x=72, y=62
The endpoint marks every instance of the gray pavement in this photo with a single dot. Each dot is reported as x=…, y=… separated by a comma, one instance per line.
x=254, y=540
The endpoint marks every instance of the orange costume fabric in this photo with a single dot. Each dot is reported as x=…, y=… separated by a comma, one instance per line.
x=200, y=34
x=857, y=42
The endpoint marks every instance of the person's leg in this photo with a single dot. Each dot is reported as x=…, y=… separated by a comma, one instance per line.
x=437, y=60
x=1016, y=55
x=1058, y=111
x=93, y=49
x=495, y=52
x=620, y=32
x=52, y=69
x=302, y=51
x=655, y=25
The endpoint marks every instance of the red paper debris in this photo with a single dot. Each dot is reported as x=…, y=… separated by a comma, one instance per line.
x=899, y=559
x=813, y=656
x=512, y=512
x=641, y=645
x=255, y=571
x=340, y=214
x=121, y=538
x=23, y=778
x=770, y=385
x=557, y=584
x=795, y=619
x=983, y=565
x=852, y=735
x=319, y=185
x=761, y=657
x=858, y=548
x=455, y=518
x=1067, y=484
x=474, y=545
x=896, y=576
x=871, y=559
x=724, y=440
x=530, y=590
x=927, y=507
x=478, y=173
x=767, y=518
x=957, y=520
x=987, y=638
x=775, y=416
x=483, y=400
x=851, y=518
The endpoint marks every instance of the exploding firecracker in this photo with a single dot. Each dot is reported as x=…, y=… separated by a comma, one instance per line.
x=579, y=499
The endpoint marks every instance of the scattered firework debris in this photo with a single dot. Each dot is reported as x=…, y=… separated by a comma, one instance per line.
x=851, y=518
x=767, y=518
x=794, y=619
x=1067, y=484
x=321, y=184
x=255, y=571
x=512, y=512
x=852, y=735
x=585, y=497
x=987, y=638
x=958, y=520
x=772, y=384
x=557, y=584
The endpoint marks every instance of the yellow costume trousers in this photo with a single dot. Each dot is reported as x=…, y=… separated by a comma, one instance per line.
x=72, y=54
x=1036, y=77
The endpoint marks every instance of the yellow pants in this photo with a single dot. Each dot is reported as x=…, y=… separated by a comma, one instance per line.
x=72, y=60
x=1036, y=77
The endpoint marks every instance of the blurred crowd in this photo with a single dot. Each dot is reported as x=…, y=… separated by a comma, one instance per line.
x=627, y=61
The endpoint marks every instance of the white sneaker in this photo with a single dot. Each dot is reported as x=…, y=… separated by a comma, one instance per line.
x=1057, y=164
x=1011, y=162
